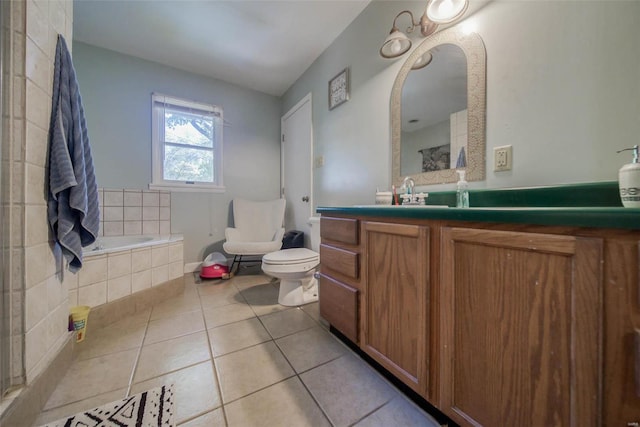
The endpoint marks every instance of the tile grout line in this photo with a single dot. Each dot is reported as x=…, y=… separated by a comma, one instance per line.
x=213, y=361
x=135, y=364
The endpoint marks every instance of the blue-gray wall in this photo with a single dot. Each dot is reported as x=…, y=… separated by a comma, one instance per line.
x=562, y=89
x=116, y=92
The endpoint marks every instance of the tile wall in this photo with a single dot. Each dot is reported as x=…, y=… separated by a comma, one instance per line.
x=458, y=126
x=128, y=212
x=35, y=270
x=108, y=277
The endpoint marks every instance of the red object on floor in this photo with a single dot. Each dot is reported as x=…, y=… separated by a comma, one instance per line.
x=215, y=271
x=214, y=266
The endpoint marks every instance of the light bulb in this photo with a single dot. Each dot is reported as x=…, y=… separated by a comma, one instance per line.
x=395, y=46
x=445, y=8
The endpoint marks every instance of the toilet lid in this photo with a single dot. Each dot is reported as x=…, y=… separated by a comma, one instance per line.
x=290, y=256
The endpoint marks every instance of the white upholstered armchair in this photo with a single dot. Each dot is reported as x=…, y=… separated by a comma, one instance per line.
x=258, y=229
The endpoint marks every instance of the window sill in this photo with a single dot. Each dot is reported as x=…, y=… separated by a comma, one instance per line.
x=193, y=188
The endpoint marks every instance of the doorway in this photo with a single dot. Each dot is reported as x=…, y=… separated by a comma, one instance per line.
x=297, y=166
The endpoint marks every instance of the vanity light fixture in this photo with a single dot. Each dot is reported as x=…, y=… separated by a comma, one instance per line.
x=437, y=12
x=424, y=60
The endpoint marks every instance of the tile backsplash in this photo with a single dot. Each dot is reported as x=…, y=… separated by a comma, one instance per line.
x=129, y=212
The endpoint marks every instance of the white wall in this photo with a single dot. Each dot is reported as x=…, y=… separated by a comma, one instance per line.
x=116, y=92
x=562, y=89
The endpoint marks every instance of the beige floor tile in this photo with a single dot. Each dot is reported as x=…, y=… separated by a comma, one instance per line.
x=112, y=339
x=140, y=318
x=251, y=369
x=166, y=356
x=260, y=294
x=225, y=314
x=236, y=336
x=243, y=282
x=208, y=287
x=91, y=377
x=176, y=305
x=263, y=299
x=224, y=296
x=399, y=412
x=310, y=348
x=195, y=390
x=175, y=326
x=312, y=310
x=284, y=404
x=347, y=389
x=287, y=322
x=83, y=405
x=211, y=419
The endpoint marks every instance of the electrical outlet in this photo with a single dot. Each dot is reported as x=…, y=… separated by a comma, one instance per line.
x=502, y=158
x=319, y=161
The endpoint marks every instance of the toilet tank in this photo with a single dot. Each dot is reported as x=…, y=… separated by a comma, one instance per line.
x=314, y=224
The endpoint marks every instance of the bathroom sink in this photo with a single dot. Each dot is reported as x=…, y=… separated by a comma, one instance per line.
x=401, y=206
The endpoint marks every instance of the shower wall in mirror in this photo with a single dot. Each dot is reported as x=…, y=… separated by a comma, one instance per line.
x=438, y=112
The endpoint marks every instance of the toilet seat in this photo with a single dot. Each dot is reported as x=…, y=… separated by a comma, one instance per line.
x=291, y=257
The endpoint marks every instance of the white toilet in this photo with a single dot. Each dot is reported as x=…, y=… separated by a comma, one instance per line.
x=295, y=268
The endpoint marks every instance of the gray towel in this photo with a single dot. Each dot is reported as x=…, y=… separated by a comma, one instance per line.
x=73, y=208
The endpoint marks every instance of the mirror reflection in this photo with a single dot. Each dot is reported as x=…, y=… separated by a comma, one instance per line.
x=438, y=111
x=434, y=134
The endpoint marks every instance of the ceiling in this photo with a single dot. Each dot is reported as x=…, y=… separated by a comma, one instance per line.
x=262, y=45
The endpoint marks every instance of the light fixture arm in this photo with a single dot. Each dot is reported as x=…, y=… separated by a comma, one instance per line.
x=427, y=27
x=409, y=29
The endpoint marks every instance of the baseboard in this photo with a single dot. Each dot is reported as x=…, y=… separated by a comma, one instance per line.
x=26, y=406
x=191, y=267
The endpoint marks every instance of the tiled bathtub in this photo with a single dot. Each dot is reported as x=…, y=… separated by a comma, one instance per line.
x=122, y=268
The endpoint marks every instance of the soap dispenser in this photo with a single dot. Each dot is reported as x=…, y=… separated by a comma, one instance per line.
x=462, y=194
x=629, y=181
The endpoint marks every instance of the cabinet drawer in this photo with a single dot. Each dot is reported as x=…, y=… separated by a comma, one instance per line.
x=343, y=230
x=339, y=306
x=339, y=260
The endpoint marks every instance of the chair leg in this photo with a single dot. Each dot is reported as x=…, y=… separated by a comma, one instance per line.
x=237, y=259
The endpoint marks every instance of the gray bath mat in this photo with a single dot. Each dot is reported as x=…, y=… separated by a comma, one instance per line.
x=150, y=408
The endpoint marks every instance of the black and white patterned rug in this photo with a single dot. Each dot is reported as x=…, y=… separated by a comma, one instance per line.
x=150, y=408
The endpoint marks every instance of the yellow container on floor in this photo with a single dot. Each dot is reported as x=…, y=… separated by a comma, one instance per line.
x=80, y=316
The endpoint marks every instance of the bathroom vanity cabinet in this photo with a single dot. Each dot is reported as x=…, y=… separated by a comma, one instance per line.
x=493, y=323
x=340, y=274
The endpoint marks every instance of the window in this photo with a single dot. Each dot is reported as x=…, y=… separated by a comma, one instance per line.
x=187, y=145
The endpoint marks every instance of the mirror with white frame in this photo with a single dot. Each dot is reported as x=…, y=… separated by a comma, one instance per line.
x=438, y=115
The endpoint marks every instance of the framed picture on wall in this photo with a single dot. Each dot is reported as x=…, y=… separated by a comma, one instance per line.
x=339, y=89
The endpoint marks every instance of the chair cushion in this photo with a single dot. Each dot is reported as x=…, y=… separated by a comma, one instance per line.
x=251, y=248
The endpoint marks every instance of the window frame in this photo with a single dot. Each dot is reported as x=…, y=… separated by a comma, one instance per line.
x=158, y=143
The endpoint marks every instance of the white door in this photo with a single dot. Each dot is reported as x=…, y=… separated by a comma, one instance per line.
x=297, y=152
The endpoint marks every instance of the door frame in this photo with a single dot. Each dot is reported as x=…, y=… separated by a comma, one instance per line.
x=307, y=98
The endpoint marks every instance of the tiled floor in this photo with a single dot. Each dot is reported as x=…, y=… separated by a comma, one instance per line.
x=236, y=358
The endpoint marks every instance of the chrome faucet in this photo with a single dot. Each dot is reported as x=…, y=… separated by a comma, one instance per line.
x=411, y=198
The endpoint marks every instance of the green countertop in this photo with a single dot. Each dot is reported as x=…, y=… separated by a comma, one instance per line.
x=576, y=205
x=600, y=217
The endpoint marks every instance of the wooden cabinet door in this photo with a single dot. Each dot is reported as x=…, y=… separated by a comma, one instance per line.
x=622, y=333
x=520, y=328
x=394, y=299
